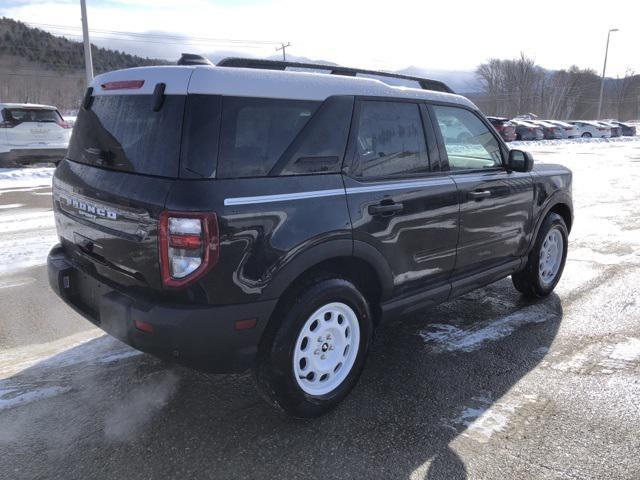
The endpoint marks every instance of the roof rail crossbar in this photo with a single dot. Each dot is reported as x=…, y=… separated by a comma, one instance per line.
x=425, y=83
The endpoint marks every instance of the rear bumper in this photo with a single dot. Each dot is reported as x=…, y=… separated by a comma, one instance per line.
x=203, y=337
x=33, y=155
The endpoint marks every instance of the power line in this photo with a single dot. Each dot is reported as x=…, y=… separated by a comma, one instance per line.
x=116, y=33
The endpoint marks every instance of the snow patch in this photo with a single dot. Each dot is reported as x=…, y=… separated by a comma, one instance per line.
x=9, y=400
x=628, y=351
x=571, y=141
x=450, y=338
x=11, y=205
x=483, y=418
x=25, y=177
x=26, y=221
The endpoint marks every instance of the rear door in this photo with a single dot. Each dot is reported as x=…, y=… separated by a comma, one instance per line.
x=399, y=201
x=122, y=161
x=34, y=127
x=495, y=204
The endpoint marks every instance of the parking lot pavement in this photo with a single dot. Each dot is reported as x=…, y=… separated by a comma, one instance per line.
x=487, y=386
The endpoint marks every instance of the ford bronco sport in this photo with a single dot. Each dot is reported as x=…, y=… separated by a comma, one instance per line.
x=248, y=216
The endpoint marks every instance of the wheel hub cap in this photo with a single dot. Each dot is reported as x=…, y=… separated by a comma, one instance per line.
x=326, y=348
x=551, y=253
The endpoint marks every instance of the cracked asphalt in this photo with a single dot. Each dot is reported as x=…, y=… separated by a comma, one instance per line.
x=487, y=386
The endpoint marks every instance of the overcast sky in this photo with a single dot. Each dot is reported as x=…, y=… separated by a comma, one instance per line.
x=450, y=35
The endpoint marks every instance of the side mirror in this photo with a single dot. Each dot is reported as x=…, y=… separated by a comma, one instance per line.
x=519, y=161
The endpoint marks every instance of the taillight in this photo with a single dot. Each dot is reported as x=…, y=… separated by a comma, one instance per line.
x=7, y=125
x=64, y=124
x=189, y=246
x=122, y=85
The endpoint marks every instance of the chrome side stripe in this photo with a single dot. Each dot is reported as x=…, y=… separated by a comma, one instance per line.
x=333, y=192
x=399, y=186
x=283, y=197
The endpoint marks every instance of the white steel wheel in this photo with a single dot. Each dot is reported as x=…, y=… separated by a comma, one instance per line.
x=551, y=252
x=326, y=349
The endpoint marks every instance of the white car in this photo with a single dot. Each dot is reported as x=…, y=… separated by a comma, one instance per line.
x=32, y=133
x=568, y=130
x=588, y=129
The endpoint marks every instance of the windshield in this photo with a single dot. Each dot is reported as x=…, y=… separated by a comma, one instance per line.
x=122, y=132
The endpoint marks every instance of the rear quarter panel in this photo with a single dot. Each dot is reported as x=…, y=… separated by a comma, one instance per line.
x=260, y=237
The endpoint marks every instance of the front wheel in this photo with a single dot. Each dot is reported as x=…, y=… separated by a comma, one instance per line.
x=313, y=352
x=586, y=135
x=546, y=261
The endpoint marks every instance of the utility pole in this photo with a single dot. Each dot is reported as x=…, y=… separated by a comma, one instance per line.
x=284, y=50
x=88, y=63
x=604, y=69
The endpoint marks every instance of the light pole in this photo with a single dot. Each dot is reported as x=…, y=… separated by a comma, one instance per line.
x=88, y=62
x=604, y=69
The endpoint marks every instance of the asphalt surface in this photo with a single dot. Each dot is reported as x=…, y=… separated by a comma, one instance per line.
x=487, y=386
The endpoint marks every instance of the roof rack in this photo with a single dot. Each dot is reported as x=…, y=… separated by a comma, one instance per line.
x=425, y=83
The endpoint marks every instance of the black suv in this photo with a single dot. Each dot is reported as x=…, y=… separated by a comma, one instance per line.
x=245, y=216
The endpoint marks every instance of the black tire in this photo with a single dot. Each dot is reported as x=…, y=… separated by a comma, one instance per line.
x=528, y=280
x=586, y=135
x=275, y=373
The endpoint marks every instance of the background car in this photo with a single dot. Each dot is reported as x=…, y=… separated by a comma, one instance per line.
x=588, y=129
x=616, y=130
x=628, y=130
x=31, y=133
x=568, y=130
x=504, y=127
x=550, y=131
x=527, y=131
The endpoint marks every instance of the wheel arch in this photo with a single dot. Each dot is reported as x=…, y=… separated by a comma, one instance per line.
x=560, y=204
x=356, y=261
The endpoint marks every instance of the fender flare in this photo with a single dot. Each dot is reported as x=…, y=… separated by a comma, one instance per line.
x=558, y=197
x=329, y=250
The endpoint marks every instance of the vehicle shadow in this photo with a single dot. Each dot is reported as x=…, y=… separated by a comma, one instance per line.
x=140, y=418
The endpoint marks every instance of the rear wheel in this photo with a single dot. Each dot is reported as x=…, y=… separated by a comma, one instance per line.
x=586, y=135
x=546, y=261
x=312, y=357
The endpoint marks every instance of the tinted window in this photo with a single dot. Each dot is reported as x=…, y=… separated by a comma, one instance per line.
x=390, y=140
x=16, y=116
x=200, y=137
x=256, y=131
x=468, y=141
x=320, y=146
x=122, y=132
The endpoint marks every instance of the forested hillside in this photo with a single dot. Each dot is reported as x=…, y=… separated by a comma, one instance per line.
x=38, y=67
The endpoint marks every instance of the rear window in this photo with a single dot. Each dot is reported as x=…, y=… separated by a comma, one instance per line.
x=255, y=132
x=16, y=116
x=122, y=132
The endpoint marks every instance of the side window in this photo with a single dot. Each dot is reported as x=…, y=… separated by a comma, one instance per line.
x=469, y=143
x=390, y=140
x=255, y=132
x=320, y=146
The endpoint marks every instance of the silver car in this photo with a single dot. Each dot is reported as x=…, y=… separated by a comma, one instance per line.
x=589, y=129
x=568, y=130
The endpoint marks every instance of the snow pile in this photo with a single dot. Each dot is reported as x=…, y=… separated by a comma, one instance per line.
x=571, y=141
x=25, y=177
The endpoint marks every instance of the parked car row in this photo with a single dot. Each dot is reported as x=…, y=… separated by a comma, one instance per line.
x=535, y=129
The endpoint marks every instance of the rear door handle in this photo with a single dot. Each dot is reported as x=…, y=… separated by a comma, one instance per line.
x=478, y=195
x=385, y=209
